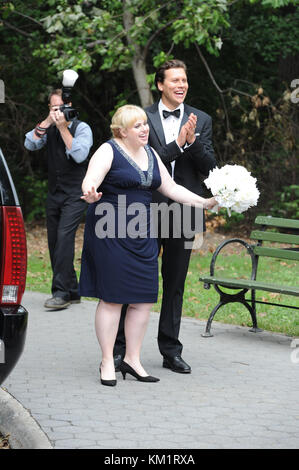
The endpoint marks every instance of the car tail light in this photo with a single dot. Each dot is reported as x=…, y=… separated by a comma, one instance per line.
x=14, y=256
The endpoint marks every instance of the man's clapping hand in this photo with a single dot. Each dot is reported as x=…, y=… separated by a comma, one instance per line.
x=187, y=132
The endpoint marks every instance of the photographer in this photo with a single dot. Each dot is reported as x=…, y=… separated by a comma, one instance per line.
x=68, y=145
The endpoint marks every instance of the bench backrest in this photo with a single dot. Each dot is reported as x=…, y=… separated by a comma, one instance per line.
x=265, y=234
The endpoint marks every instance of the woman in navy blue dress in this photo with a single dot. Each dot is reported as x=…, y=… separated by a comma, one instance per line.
x=120, y=251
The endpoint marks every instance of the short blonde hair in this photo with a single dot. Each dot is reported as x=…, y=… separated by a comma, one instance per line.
x=125, y=118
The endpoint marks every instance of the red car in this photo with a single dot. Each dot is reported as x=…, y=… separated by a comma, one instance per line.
x=13, y=269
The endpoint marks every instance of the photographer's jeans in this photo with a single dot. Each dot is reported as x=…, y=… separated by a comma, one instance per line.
x=64, y=214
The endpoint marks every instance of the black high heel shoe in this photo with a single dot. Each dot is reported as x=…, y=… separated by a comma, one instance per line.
x=126, y=369
x=109, y=383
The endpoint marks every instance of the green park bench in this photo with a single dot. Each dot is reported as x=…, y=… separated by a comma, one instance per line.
x=256, y=250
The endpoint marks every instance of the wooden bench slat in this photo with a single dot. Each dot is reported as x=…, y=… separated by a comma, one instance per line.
x=250, y=284
x=274, y=237
x=276, y=253
x=277, y=222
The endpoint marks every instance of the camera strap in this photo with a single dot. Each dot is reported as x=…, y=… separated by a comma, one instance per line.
x=74, y=126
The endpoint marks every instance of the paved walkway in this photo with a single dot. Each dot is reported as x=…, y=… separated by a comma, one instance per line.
x=243, y=391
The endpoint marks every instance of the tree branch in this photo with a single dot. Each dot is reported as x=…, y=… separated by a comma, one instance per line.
x=171, y=48
x=28, y=17
x=208, y=69
x=91, y=104
x=104, y=41
x=227, y=90
x=215, y=84
x=89, y=45
x=153, y=37
x=14, y=28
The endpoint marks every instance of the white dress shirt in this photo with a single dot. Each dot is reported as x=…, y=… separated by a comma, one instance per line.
x=171, y=125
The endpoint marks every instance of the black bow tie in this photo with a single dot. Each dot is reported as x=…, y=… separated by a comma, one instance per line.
x=176, y=113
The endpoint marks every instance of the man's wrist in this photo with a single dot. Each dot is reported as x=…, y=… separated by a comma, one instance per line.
x=180, y=143
x=191, y=141
x=45, y=123
x=63, y=127
x=39, y=130
x=181, y=148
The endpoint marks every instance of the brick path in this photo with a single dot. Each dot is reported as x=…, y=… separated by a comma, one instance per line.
x=242, y=393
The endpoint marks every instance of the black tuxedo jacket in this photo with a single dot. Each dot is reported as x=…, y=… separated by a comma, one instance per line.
x=195, y=162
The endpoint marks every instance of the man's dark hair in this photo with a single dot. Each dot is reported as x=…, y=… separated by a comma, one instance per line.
x=170, y=64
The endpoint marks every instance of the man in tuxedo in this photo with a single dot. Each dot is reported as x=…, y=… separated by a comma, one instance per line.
x=182, y=136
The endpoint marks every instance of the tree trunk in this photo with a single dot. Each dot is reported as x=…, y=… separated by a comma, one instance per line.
x=138, y=61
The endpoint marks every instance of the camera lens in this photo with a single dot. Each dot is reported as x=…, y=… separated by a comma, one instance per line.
x=69, y=113
x=72, y=114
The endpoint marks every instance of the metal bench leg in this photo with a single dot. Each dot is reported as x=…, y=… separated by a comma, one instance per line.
x=207, y=333
x=252, y=310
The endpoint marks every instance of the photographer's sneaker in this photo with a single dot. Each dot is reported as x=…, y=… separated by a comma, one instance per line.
x=56, y=303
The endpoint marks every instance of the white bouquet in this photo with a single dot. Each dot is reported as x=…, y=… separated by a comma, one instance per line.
x=233, y=187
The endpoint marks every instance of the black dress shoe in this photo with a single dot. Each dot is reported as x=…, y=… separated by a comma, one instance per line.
x=56, y=303
x=118, y=358
x=176, y=364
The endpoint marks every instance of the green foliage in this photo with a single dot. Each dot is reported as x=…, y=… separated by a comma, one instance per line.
x=82, y=34
x=275, y=3
x=286, y=203
x=261, y=137
x=250, y=48
x=202, y=22
x=270, y=34
x=35, y=198
x=160, y=58
x=231, y=222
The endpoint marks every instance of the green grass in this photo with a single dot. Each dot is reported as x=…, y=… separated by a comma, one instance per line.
x=199, y=302
x=39, y=274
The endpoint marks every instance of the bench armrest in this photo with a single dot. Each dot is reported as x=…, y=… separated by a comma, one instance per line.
x=242, y=242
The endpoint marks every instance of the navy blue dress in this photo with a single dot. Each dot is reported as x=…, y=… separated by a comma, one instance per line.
x=120, y=250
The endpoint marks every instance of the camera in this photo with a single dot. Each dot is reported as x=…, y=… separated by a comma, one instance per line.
x=68, y=81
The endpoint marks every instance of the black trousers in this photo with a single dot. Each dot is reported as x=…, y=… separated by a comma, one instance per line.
x=175, y=262
x=64, y=214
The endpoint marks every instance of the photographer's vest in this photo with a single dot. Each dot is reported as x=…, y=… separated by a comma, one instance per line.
x=64, y=173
